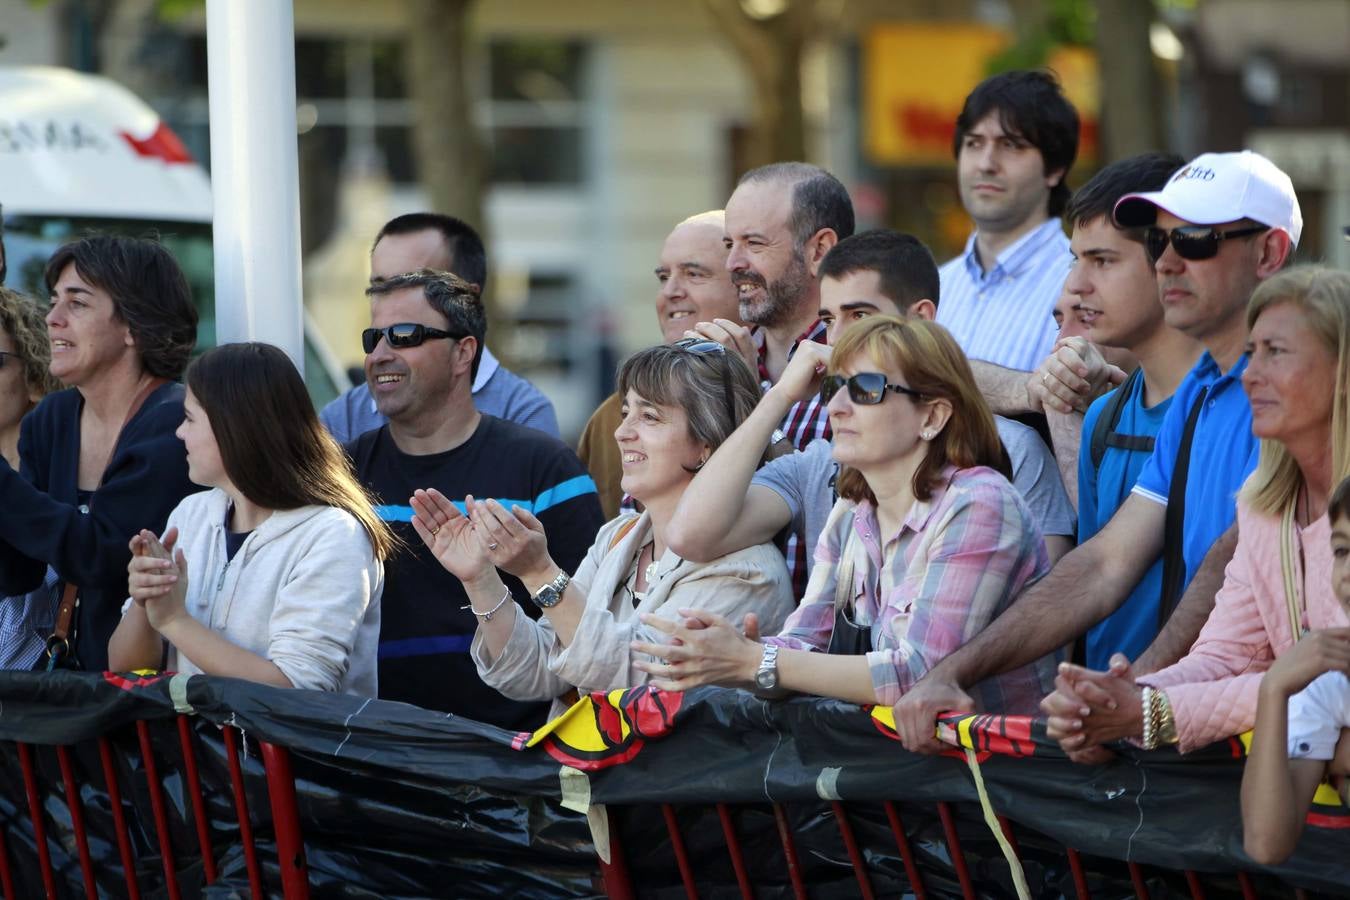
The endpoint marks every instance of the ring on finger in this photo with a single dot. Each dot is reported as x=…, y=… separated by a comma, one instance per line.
x=435, y=530
x=1045, y=378
x=492, y=545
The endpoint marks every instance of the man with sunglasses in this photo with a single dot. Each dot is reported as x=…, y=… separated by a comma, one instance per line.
x=423, y=350
x=434, y=241
x=1221, y=225
x=873, y=273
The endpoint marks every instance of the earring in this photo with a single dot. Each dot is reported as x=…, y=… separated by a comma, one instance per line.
x=926, y=435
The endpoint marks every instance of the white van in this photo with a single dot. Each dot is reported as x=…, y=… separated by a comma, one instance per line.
x=81, y=153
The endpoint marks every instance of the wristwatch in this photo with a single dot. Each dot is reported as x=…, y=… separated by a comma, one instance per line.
x=766, y=679
x=550, y=594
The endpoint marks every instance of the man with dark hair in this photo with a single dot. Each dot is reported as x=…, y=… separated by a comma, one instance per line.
x=434, y=241
x=1220, y=226
x=1016, y=139
x=100, y=461
x=423, y=345
x=731, y=505
x=780, y=222
x=1116, y=292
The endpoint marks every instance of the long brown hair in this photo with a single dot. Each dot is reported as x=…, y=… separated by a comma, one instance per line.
x=934, y=366
x=271, y=443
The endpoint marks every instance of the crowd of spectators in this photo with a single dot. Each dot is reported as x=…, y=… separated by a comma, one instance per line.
x=1097, y=474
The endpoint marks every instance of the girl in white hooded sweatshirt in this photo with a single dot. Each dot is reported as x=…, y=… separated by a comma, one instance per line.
x=274, y=574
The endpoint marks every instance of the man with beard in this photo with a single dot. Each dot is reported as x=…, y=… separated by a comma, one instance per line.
x=780, y=222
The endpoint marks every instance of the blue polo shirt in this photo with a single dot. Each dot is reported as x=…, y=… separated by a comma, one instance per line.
x=1101, y=491
x=1223, y=454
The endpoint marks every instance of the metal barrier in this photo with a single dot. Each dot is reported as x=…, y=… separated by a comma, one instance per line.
x=153, y=856
x=142, y=802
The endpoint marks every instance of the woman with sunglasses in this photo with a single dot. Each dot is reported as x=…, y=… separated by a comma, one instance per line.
x=274, y=574
x=25, y=620
x=680, y=402
x=926, y=545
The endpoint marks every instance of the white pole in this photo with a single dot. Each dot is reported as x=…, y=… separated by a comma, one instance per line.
x=254, y=173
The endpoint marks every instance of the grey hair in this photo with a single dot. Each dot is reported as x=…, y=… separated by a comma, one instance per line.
x=668, y=375
x=451, y=296
x=819, y=200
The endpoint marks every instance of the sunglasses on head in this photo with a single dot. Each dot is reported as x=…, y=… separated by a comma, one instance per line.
x=865, y=388
x=1192, y=241
x=403, y=334
x=702, y=347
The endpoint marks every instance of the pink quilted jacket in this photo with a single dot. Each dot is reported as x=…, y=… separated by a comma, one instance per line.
x=1213, y=689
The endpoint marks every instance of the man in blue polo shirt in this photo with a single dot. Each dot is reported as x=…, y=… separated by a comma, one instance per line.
x=1223, y=223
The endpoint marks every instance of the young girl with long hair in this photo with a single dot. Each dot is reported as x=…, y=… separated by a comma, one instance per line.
x=274, y=574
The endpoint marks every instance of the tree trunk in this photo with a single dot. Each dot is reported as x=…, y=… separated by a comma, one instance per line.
x=771, y=51
x=1131, y=103
x=450, y=158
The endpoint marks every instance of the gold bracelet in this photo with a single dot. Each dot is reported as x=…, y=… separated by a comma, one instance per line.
x=1147, y=710
x=1167, y=722
x=487, y=616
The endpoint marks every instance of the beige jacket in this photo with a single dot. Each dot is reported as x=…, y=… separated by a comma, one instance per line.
x=534, y=665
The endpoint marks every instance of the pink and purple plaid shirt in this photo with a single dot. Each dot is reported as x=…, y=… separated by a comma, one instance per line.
x=958, y=561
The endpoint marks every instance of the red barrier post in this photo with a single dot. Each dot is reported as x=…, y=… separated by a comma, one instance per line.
x=286, y=821
x=854, y=853
x=906, y=852
x=1193, y=882
x=734, y=848
x=194, y=792
x=1137, y=878
x=618, y=883
x=677, y=847
x=119, y=819
x=1079, y=874
x=77, y=822
x=790, y=852
x=157, y=807
x=954, y=848
x=241, y=812
x=6, y=877
x=39, y=827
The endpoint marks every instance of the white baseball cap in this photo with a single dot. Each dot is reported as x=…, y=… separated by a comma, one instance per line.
x=1215, y=188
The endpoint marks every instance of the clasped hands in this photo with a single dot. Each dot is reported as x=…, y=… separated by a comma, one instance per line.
x=1071, y=377
x=157, y=577
x=704, y=648
x=1089, y=709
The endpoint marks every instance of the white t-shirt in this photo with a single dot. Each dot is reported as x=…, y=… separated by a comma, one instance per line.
x=1316, y=716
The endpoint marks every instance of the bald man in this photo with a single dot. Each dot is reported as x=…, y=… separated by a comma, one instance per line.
x=695, y=286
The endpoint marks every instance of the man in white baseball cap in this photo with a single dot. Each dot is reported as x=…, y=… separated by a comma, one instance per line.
x=1220, y=226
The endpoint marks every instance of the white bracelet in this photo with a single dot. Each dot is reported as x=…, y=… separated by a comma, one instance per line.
x=1150, y=740
x=487, y=616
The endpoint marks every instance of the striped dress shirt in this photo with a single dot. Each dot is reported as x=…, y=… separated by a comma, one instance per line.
x=957, y=561
x=1005, y=315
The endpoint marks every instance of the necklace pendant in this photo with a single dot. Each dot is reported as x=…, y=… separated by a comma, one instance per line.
x=651, y=573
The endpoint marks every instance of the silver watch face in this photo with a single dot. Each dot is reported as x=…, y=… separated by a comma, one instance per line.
x=766, y=679
x=548, y=596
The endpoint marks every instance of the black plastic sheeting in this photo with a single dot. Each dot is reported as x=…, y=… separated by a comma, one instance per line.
x=396, y=801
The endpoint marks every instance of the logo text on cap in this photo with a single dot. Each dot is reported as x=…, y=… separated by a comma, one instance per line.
x=1194, y=173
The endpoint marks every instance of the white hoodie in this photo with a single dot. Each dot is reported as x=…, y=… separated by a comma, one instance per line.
x=303, y=591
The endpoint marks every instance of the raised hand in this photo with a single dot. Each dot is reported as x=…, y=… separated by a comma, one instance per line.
x=1071, y=377
x=514, y=540
x=450, y=536
x=157, y=577
x=1325, y=650
x=801, y=379
x=735, y=337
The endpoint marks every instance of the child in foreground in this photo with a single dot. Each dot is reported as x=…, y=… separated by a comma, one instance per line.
x=1301, y=719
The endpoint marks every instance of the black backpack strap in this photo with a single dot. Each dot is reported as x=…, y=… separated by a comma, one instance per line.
x=1174, y=563
x=1104, y=430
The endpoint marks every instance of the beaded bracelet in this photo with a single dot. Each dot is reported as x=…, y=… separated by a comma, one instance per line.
x=487, y=616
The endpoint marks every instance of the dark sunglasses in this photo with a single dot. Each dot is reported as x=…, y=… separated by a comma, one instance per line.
x=701, y=347
x=1192, y=241
x=403, y=334
x=865, y=388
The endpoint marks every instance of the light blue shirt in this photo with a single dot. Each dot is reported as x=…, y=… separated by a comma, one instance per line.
x=497, y=391
x=1005, y=315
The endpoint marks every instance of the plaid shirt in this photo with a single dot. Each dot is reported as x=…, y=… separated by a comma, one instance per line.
x=957, y=561
x=805, y=421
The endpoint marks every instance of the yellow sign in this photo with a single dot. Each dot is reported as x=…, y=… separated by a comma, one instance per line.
x=916, y=78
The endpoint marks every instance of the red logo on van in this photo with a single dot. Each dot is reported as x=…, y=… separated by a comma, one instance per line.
x=163, y=144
